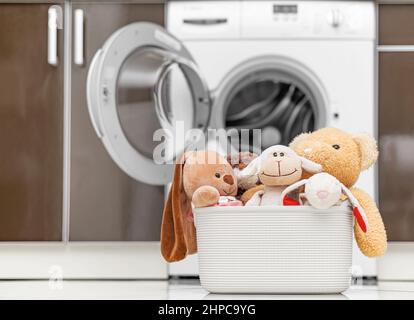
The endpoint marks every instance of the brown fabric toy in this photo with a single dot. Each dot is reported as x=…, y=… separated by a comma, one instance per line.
x=200, y=179
x=239, y=161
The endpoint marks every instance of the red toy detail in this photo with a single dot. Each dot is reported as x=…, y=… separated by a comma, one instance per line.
x=360, y=220
x=287, y=201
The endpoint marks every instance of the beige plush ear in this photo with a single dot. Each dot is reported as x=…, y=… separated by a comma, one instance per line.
x=252, y=169
x=368, y=148
x=310, y=166
x=298, y=139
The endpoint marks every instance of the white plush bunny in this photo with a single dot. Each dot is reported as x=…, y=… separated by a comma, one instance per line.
x=277, y=167
x=323, y=191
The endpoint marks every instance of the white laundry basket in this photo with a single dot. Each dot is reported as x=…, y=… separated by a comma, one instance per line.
x=294, y=249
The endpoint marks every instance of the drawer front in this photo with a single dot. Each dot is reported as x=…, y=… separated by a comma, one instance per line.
x=396, y=24
x=31, y=126
x=105, y=203
x=396, y=137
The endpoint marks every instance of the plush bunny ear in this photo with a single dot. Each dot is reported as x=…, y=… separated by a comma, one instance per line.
x=252, y=168
x=310, y=166
x=368, y=148
x=178, y=235
x=358, y=211
x=290, y=188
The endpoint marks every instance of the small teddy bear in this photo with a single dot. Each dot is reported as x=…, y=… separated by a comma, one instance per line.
x=344, y=156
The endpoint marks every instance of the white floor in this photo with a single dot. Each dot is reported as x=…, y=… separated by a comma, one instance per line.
x=181, y=290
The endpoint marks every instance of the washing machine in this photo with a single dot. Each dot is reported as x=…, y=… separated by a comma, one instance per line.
x=284, y=67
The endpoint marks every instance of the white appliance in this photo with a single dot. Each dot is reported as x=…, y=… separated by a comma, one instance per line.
x=326, y=48
x=281, y=66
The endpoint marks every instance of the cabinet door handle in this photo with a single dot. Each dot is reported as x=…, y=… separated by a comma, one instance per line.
x=55, y=22
x=79, y=21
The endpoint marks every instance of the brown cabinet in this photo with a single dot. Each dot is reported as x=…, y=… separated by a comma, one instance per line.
x=31, y=126
x=396, y=120
x=105, y=203
x=396, y=24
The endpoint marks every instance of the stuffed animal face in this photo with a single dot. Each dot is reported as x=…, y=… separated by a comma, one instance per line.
x=208, y=168
x=279, y=166
x=323, y=190
x=341, y=154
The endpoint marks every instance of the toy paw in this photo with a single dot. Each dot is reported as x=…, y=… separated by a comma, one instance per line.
x=247, y=195
x=205, y=196
x=373, y=243
x=255, y=199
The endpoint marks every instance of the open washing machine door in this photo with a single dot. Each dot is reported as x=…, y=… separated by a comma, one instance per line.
x=142, y=80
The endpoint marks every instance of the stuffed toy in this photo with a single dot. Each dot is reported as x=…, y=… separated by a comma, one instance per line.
x=247, y=184
x=277, y=167
x=322, y=191
x=239, y=161
x=201, y=179
x=344, y=156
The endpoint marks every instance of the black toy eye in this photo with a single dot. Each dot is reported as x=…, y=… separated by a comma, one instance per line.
x=275, y=154
x=336, y=146
x=282, y=154
x=217, y=175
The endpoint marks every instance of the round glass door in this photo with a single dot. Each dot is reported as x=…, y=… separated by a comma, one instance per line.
x=277, y=95
x=145, y=90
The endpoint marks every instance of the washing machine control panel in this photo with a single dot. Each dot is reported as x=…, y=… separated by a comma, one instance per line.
x=307, y=19
x=272, y=19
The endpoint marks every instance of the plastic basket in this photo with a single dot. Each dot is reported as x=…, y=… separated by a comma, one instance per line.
x=294, y=249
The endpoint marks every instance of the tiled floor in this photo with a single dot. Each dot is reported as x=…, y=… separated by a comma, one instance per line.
x=188, y=289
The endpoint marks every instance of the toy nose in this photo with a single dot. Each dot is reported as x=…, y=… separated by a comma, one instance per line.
x=228, y=179
x=322, y=194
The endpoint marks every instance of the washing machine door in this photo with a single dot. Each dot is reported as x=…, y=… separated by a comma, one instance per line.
x=144, y=90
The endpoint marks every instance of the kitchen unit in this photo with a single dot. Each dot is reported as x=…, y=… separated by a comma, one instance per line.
x=109, y=205
x=31, y=123
x=66, y=207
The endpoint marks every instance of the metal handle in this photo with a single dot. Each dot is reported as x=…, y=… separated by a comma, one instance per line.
x=159, y=105
x=165, y=69
x=55, y=22
x=91, y=94
x=78, y=37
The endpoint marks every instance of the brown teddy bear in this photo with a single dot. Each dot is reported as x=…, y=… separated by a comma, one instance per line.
x=344, y=156
x=201, y=179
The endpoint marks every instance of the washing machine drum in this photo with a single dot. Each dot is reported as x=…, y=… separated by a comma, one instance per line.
x=143, y=89
x=277, y=95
